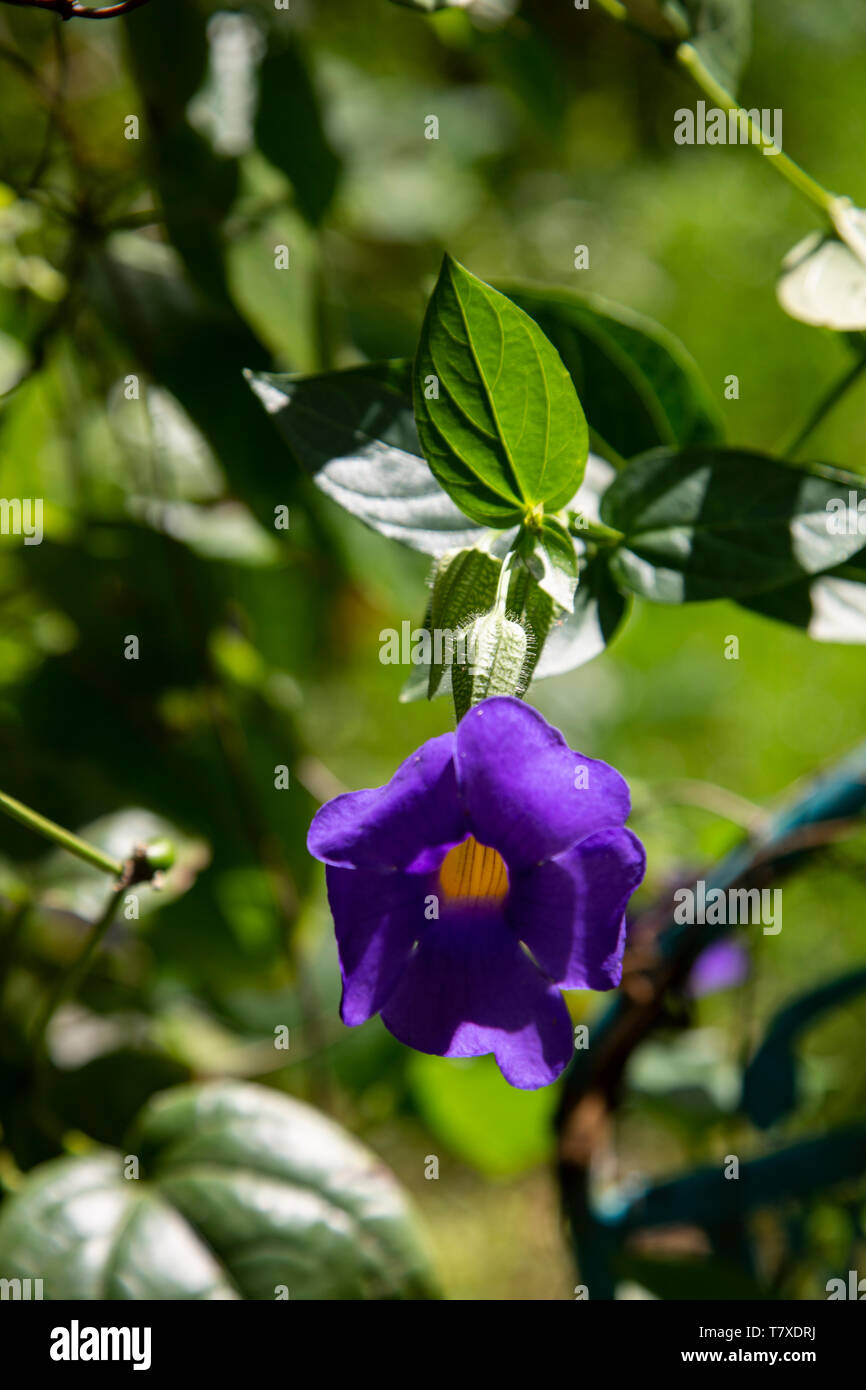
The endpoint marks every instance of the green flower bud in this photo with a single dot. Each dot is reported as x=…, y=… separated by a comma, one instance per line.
x=160, y=854
x=491, y=660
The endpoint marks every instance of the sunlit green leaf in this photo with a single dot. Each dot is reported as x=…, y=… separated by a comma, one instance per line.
x=498, y=416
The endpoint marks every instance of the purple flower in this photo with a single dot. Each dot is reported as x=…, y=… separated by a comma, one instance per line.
x=492, y=871
x=721, y=966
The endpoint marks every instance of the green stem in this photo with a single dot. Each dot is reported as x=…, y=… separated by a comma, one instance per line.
x=823, y=407
x=64, y=838
x=582, y=527
x=620, y=13
x=688, y=57
x=68, y=984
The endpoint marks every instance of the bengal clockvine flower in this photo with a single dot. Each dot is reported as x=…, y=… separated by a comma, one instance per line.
x=491, y=872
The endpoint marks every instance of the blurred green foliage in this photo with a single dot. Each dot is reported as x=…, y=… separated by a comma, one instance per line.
x=153, y=259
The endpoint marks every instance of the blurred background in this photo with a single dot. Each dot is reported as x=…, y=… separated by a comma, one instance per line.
x=137, y=280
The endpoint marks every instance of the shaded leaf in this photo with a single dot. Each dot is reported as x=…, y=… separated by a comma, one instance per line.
x=716, y=523
x=196, y=185
x=242, y=1190
x=354, y=431
x=638, y=385
x=289, y=129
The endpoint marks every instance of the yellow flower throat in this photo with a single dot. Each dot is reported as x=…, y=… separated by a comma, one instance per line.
x=473, y=873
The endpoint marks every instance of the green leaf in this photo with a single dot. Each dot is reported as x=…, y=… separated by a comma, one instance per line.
x=289, y=130
x=552, y=561
x=637, y=383
x=720, y=31
x=717, y=523
x=497, y=413
x=354, y=431
x=196, y=186
x=770, y=1080
x=241, y=1190
x=479, y=1117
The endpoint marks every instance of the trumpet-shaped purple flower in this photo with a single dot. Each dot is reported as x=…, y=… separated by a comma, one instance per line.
x=491, y=872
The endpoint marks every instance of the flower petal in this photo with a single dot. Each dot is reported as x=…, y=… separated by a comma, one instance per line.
x=389, y=827
x=469, y=989
x=570, y=912
x=378, y=918
x=527, y=794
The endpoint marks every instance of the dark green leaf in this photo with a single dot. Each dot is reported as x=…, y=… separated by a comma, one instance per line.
x=173, y=329
x=716, y=523
x=638, y=385
x=242, y=1190
x=354, y=431
x=498, y=416
x=289, y=130
x=196, y=185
